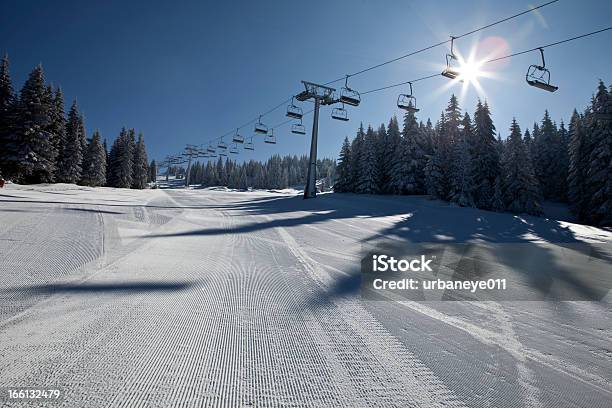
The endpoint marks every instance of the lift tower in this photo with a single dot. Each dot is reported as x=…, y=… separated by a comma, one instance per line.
x=322, y=95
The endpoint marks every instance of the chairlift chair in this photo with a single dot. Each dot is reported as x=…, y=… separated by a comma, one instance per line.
x=221, y=144
x=270, y=138
x=349, y=96
x=210, y=148
x=249, y=145
x=238, y=138
x=298, y=129
x=260, y=127
x=451, y=71
x=293, y=111
x=407, y=102
x=340, y=114
x=222, y=154
x=539, y=76
x=234, y=149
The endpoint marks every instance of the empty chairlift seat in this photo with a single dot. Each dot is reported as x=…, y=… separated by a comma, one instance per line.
x=270, y=138
x=298, y=129
x=238, y=138
x=294, y=112
x=539, y=77
x=260, y=127
x=452, y=71
x=340, y=114
x=349, y=96
x=407, y=102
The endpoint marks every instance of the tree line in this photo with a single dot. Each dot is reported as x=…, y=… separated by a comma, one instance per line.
x=460, y=160
x=39, y=143
x=276, y=173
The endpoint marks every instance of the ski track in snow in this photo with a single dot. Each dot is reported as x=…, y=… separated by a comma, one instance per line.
x=205, y=298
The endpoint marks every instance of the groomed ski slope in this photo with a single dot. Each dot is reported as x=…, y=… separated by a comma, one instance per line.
x=162, y=298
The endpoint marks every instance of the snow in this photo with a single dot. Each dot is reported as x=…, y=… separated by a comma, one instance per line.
x=200, y=297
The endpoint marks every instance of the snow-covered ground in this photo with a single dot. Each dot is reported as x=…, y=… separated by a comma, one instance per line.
x=205, y=297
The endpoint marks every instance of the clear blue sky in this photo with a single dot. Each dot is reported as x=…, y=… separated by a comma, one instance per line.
x=184, y=72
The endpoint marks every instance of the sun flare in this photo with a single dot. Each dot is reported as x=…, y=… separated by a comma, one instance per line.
x=470, y=70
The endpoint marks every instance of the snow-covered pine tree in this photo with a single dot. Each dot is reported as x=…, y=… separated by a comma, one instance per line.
x=381, y=146
x=396, y=159
x=528, y=141
x=437, y=169
x=153, y=171
x=599, y=172
x=546, y=157
x=7, y=107
x=140, y=170
x=221, y=175
x=367, y=183
x=343, y=181
x=579, y=152
x=462, y=183
x=484, y=154
x=520, y=192
x=412, y=172
x=70, y=167
x=30, y=155
x=357, y=152
x=121, y=157
x=94, y=163
x=562, y=163
x=58, y=126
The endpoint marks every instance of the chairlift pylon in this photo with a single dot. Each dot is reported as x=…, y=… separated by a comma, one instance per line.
x=260, y=127
x=340, y=114
x=539, y=76
x=294, y=111
x=451, y=71
x=349, y=96
x=407, y=102
x=270, y=138
x=237, y=138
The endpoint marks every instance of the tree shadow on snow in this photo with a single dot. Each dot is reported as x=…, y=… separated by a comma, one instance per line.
x=420, y=220
x=112, y=287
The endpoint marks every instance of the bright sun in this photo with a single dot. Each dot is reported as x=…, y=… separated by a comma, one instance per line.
x=470, y=71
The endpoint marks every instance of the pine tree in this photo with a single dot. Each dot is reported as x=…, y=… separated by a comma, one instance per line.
x=367, y=183
x=578, y=163
x=30, y=155
x=462, y=183
x=357, y=154
x=121, y=161
x=599, y=171
x=58, y=126
x=7, y=107
x=437, y=169
x=389, y=159
x=519, y=185
x=70, y=167
x=153, y=172
x=343, y=182
x=140, y=171
x=546, y=158
x=484, y=154
x=94, y=163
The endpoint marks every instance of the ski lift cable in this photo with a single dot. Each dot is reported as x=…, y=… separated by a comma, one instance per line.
x=493, y=59
x=531, y=9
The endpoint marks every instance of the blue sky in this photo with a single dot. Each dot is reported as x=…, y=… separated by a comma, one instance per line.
x=188, y=71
